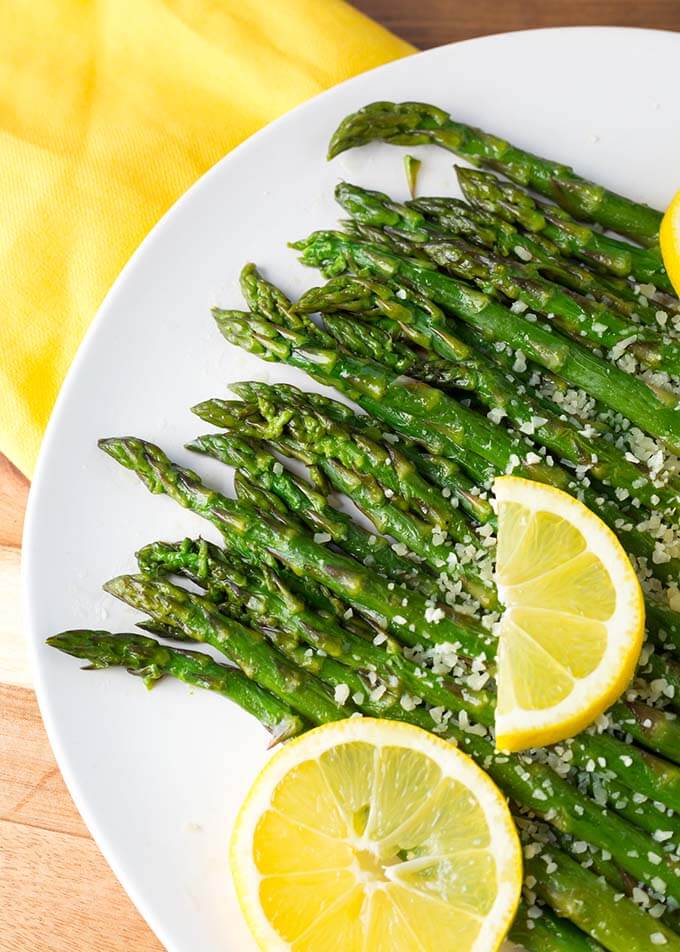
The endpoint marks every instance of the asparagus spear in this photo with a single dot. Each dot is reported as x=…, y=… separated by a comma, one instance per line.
x=445, y=217
x=547, y=932
x=266, y=400
x=486, y=191
x=664, y=622
x=497, y=389
x=163, y=558
x=451, y=477
x=384, y=396
x=319, y=441
x=636, y=768
x=572, y=313
x=259, y=598
x=316, y=437
x=146, y=657
x=653, y=729
x=627, y=395
x=644, y=812
x=658, y=667
x=245, y=529
x=416, y=123
x=454, y=217
x=410, y=619
x=313, y=508
x=152, y=661
x=593, y=905
x=199, y=619
x=388, y=518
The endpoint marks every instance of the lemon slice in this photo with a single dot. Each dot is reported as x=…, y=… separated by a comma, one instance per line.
x=375, y=836
x=669, y=239
x=572, y=629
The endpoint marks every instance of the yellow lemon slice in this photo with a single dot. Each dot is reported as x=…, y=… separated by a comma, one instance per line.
x=572, y=629
x=669, y=239
x=375, y=835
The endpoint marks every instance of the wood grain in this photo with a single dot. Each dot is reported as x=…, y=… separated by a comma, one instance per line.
x=429, y=23
x=56, y=892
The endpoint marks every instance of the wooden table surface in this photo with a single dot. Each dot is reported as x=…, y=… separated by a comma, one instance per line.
x=56, y=891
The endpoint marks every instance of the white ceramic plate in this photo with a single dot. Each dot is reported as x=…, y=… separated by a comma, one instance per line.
x=158, y=777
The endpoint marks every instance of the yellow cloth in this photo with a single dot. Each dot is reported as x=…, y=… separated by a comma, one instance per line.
x=109, y=110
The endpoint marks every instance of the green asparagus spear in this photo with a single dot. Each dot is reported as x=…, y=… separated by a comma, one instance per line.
x=636, y=768
x=594, y=905
x=650, y=815
x=390, y=519
x=375, y=215
x=449, y=474
x=452, y=217
x=246, y=529
x=664, y=622
x=152, y=661
x=572, y=313
x=200, y=620
x=313, y=507
x=417, y=123
x=497, y=389
x=259, y=598
x=486, y=191
x=383, y=395
x=543, y=931
x=320, y=437
x=627, y=395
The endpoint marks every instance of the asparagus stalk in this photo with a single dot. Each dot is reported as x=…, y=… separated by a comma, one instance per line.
x=259, y=598
x=516, y=206
x=647, y=726
x=450, y=216
x=593, y=904
x=417, y=123
x=151, y=661
x=465, y=489
x=497, y=389
x=572, y=313
x=262, y=467
x=200, y=620
x=627, y=395
x=637, y=769
x=266, y=400
x=665, y=623
x=389, y=516
x=317, y=436
x=644, y=812
x=547, y=932
x=245, y=529
x=411, y=412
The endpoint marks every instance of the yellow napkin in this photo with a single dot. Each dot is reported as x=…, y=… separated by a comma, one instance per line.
x=109, y=110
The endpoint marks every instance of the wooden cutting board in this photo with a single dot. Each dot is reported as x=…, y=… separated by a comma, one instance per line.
x=56, y=892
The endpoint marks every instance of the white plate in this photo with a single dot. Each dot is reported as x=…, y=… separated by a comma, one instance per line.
x=158, y=777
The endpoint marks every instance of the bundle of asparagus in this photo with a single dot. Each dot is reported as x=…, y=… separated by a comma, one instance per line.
x=477, y=339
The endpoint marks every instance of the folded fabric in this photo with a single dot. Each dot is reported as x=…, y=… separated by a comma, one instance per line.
x=109, y=110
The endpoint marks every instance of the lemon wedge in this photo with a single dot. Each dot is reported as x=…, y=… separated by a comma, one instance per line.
x=669, y=239
x=572, y=629
x=375, y=835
